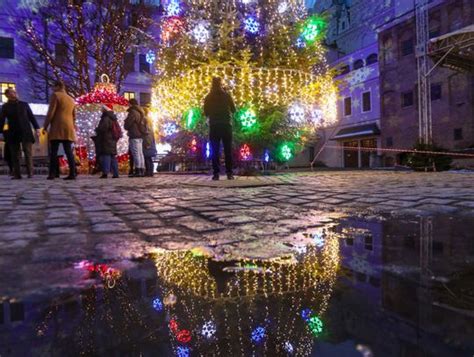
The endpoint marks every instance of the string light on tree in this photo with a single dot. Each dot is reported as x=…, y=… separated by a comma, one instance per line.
x=282, y=7
x=172, y=27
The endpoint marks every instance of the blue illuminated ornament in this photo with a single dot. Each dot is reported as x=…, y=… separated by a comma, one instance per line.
x=182, y=351
x=173, y=8
x=157, y=304
x=300, y=42
x=306, y=314
x=150, y=57
x=170, y=129
x=252, y=25
x=208, y=329
x=288, y=347
x=258, y=334
x=208, y=150
x=266, y=156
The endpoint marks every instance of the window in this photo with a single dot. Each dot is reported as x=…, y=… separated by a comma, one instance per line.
x=458, y=134
x=389, y=141
x=344, y=70
x=387, y=50
x=349, y=241
x=60, y=53
x=129, y=62
x=144, y=65
x=7, y=47
x=407, y=99
x=368, y=242
x=17, y=311
x=373, y=58
x=129, y=95
x=145, y=99
x=435, y=32
x=358, y=64
x=366, y=102
x=407, y=47
x=347, y=106
x=436, y=91
x=3, y=87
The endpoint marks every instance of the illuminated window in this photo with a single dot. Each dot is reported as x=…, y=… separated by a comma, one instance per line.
x=129, y=95
x=3, y=87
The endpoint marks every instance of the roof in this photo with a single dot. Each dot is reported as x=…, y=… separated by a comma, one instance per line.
x=454, y=50
x=357, y=131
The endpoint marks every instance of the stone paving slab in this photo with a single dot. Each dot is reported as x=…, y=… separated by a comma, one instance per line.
x=51, y=225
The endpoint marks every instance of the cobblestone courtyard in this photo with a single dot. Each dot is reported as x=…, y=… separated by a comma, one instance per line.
x=45, y=226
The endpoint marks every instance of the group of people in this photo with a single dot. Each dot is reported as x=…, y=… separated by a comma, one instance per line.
x=17, y=123
x=142, y=146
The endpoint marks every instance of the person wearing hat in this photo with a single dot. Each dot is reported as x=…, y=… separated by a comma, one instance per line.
x=61, y=118
x=108, y=134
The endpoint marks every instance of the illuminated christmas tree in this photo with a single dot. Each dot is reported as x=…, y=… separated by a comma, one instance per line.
x=270, y=57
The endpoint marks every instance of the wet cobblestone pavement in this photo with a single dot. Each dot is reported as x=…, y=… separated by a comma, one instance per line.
x=367, y=251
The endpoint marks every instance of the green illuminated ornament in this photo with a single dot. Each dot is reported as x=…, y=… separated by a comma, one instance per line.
x=313, y=27
x=191, y=117
x=315, y=325
x=285, y=152
x=247, y=117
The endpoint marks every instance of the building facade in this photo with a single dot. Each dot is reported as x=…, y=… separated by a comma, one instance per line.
x=452, y=93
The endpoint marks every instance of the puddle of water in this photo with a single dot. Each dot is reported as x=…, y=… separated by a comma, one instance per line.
x=356, y=287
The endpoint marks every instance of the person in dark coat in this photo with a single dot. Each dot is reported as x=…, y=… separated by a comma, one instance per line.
x=20, y=134
x=107, y=143
x=219, y=108
x=149, y=146
x=135, y=124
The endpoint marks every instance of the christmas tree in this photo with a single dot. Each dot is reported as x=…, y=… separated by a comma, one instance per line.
x=271, y=59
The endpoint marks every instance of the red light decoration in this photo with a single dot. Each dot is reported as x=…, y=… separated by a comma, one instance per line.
x=245, y=153
x=172, y=26
x=102, y=96
x=173, y=324
x=193, y=145
x=183, y=336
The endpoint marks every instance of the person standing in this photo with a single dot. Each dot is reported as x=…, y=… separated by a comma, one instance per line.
x=149, y=146
x=108, y=134
x=20, y=135
x=61, y=117
x=219, y=108
x=135, y=124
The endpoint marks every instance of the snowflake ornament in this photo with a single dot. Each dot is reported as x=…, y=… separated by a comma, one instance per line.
x=208, y=330
x=201, y=32
x=252, y=25
x=297, y=113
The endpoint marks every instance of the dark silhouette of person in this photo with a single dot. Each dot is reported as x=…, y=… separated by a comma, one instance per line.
x=20, y=135
x=219, y=108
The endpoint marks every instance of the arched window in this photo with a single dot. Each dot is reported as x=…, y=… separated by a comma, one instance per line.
x=372, y=58
x=358, y=64
x=344, y=69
